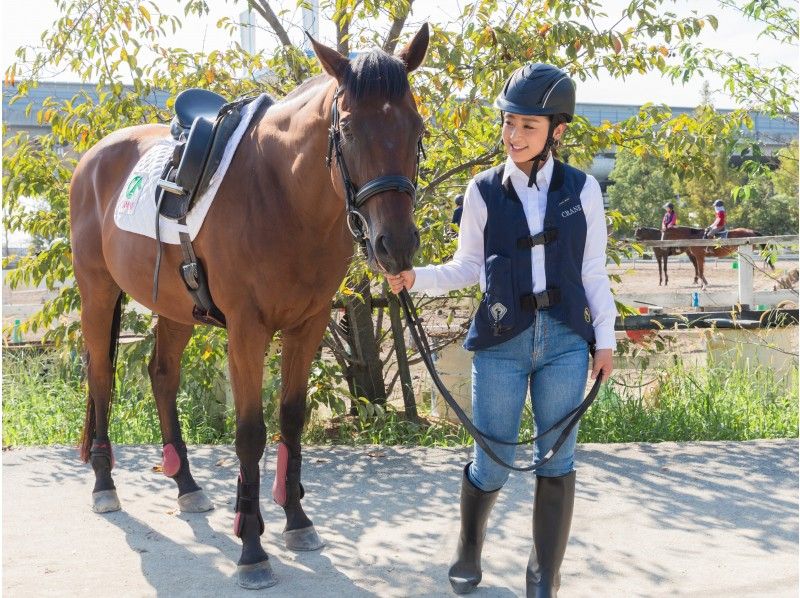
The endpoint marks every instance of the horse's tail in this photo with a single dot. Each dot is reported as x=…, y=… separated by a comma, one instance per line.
x=89, y=422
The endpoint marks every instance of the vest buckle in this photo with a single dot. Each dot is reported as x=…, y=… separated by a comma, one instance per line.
x=543, y=300
x=542, y=238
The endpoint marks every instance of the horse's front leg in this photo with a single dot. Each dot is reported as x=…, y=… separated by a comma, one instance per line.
x=300, y=344
x=247, y=342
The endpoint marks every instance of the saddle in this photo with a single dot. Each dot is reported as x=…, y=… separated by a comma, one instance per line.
x=203, y=124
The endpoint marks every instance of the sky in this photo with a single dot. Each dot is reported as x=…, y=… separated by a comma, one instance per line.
x=24, y=20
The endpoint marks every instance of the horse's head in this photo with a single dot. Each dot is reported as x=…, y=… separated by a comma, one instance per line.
x=375, y=145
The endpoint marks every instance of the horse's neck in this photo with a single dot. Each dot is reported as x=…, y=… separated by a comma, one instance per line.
x=293, y=135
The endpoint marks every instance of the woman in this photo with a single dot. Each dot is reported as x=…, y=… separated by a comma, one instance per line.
x=533, y=234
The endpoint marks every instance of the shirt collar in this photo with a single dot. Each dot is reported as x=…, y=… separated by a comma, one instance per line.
x=543, y=177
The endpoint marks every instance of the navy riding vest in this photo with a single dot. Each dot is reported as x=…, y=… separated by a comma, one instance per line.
x=504, y=312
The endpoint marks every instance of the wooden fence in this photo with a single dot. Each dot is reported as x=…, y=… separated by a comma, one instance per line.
x=745, y=254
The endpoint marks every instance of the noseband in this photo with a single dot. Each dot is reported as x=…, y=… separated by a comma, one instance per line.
x=356, y=197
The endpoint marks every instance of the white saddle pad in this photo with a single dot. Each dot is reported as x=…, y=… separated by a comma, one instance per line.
x=136, y=206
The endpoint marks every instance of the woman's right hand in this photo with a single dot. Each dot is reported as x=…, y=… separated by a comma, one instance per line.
x=404, y=280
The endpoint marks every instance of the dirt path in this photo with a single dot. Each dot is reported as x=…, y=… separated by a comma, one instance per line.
x=687, y=519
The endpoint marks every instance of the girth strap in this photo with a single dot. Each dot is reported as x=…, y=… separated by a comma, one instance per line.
x=194, y=277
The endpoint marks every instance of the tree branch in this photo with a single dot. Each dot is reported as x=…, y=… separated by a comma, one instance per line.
x=263, y=8
x=482, y=159
x=390, y=43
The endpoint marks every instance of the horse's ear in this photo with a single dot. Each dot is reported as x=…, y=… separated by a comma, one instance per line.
x=332, y=62
x=414, y=51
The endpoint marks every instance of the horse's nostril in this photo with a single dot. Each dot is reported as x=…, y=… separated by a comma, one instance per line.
x=380, y=246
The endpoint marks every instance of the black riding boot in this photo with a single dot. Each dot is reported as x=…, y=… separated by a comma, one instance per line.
x=552, y=515
x=465, y=568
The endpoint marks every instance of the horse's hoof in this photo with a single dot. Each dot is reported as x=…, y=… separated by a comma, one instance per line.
x=256, y=576
x=105, y=501
x=304, y=539
x=195, y=502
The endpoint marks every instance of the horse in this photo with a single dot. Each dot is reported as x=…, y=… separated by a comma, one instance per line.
x=645, y=233
x=275, y=246
x=699, y=253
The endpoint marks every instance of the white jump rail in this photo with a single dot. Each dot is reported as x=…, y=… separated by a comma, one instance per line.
x=745, y=251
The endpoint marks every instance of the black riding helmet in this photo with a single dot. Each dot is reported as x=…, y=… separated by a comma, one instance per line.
x=537, y=89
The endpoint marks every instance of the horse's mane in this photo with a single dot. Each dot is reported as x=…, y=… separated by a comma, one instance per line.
x=376, y=74
x=373, y=75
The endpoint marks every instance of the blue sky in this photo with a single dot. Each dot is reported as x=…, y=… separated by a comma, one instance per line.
x=23, y=21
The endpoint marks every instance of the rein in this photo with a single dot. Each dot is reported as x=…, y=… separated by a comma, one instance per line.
x=571, y=419
x=355, y=198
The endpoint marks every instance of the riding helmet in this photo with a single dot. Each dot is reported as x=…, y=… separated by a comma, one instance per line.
x=669, y=206
x=537, y=89
x=719, y=204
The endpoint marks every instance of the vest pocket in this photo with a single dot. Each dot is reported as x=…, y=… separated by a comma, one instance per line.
x=500, y=300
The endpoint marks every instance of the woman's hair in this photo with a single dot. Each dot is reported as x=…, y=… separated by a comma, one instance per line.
x=557, y=119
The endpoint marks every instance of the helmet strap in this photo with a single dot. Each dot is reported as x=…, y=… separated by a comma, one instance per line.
x=548, y=145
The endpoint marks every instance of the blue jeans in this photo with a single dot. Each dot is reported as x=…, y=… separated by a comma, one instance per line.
x=551, y=358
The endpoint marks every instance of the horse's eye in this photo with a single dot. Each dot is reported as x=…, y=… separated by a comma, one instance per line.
x=345, y=125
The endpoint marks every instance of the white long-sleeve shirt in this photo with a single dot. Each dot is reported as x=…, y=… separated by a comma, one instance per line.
x=467, y=266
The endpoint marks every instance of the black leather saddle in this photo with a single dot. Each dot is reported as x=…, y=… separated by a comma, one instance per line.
x=203, y=124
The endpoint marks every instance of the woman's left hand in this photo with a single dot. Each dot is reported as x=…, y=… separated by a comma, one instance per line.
x=603, y=362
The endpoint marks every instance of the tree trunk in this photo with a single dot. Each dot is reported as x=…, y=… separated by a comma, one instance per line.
x=366, y=372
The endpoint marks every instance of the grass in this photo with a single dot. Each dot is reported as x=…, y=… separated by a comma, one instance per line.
x=44, y=403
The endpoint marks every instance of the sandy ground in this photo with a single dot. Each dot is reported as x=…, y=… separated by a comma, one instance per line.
x=689, y=519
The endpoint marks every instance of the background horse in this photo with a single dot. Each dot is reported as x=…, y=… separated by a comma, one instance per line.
x=699, y=253
x=275, y=246
x=662, y=253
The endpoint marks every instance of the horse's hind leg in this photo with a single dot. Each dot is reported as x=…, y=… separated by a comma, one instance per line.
x=659, y=258
x=101, y=308
x=247, y=343
x=693, y=259
x=165, y=370
x=299, y=347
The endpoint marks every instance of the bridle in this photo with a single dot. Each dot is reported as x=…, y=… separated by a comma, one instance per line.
x=356, y=197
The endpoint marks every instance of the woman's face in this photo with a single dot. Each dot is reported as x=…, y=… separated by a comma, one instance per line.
x=525, y=136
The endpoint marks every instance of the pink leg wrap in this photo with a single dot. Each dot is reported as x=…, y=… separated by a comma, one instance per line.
x=237, y=525
x=279, y=485
x=171, y=462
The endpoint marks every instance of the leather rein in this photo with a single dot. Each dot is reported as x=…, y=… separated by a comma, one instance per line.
x=355, y=198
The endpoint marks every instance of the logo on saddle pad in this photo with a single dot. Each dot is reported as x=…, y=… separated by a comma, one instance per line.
x=132, y=192
x=134, y=186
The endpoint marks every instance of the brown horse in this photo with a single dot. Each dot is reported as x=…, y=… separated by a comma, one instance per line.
x=275, y=246
x=699, y=253
x=645, y=233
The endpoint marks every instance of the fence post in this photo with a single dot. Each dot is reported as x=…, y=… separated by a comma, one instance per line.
x=745, y=258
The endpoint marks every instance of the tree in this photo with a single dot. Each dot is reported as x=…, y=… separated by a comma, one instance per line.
x=642, y=185
x=114, y=42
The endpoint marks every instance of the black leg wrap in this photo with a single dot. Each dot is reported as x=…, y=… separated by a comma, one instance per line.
x=247, y=504
x=294, y=488
x=102, y=459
